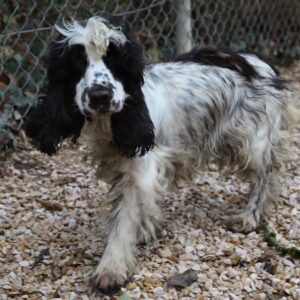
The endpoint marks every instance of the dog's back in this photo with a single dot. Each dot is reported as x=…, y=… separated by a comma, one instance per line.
x=223, y=106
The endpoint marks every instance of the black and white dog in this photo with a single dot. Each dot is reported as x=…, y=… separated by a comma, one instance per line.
x=210, y=105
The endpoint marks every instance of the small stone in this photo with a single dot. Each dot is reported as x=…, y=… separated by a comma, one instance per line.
x=181, y=240
x=288, y=263
x=24, y=264
x=261, y=296
x=72, y=296
x=184, y=279
x=227, y=261
x=124, y=296
x=202, y=278
x=248, y=285
x=6, y=287
x=159, y=292
x=187, y=256
x=131, y=286
x=165, y=252
x=196, y=267
x=232, y=296
x=232, y=273
x=200, y=247
x=182, y=269
x=72, y=223
x=189, y=249
x=205, y=266
x=235, y=259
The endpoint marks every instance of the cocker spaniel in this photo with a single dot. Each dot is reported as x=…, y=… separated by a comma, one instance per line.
x=150, y=125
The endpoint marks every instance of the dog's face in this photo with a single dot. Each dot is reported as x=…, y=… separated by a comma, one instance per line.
x=95, y=70
x=98, y=92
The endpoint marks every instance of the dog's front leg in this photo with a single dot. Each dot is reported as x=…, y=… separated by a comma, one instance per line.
x=136, y=193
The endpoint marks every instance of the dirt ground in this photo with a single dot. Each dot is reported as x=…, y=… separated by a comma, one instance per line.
x=53, y=230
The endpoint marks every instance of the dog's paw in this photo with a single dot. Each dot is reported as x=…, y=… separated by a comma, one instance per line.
x=107, y=282
x=245, y=221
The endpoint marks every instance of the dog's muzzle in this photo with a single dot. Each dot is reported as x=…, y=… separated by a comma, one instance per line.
x=100, y=97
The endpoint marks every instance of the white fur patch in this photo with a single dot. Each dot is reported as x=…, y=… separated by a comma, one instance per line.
x=95, y=36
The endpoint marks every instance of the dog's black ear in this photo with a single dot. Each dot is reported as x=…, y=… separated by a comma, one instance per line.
x=132, y=128
x=57, y=116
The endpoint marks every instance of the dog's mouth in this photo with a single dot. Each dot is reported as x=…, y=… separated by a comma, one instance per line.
x=105, y=113
x=99, y=112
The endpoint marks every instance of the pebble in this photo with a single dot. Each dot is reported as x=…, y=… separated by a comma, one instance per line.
x=131, y=286
x=227, y=261
x=232, y=273
x=200, y=247
x=288, y=263
x=189, y=249
x=73, y=296
x=165, y=252
x=260, y=296
x=181, y=240
x=24, y=264
x=72, y=223
x=188, y=256
x=184, y=279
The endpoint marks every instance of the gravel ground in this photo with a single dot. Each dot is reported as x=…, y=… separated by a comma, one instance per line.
x=53, y=229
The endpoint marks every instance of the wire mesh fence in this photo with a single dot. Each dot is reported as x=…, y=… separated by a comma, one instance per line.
x=164, y=27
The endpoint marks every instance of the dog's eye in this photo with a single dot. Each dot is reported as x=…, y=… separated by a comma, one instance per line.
x=80, y=64
x=112, y=52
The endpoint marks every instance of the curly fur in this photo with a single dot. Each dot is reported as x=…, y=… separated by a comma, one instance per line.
x=57, y=117
x=209, y=105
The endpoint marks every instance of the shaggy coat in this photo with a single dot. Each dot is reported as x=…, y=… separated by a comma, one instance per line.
x=209, y=105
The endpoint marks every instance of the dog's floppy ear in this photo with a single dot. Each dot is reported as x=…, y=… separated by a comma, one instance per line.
x=132, y=128
x=57, y=117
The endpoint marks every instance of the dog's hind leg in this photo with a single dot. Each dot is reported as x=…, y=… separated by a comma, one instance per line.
x=135, y=195
x=262, y=170
x=263, y=193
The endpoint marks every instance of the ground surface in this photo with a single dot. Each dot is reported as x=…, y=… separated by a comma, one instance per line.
x=53, y=228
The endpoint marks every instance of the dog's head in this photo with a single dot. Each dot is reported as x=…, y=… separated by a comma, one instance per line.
x=95, y=71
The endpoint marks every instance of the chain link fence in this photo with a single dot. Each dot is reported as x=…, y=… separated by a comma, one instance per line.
x=270, y=27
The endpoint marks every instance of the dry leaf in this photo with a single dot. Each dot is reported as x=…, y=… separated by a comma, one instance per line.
x=52, y=206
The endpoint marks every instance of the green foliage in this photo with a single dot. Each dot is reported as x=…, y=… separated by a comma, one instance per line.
x=10, y=117
x=270, y=238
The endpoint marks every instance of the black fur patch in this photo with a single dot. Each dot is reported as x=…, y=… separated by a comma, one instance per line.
x=223, y=58
x=57, y=117
x=261, y=58
x=132, y=128
x=279, y=84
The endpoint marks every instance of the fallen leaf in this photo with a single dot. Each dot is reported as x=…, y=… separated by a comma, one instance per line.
x=52, y=206
x=234, y=199
x=64, y=180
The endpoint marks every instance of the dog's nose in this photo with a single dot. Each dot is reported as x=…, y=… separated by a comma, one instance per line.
x=100, y=94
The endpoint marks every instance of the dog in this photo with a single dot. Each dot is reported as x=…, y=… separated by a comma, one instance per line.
x=149, y=126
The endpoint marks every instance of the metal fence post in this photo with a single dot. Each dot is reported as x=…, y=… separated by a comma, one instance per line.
x=183, y=26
